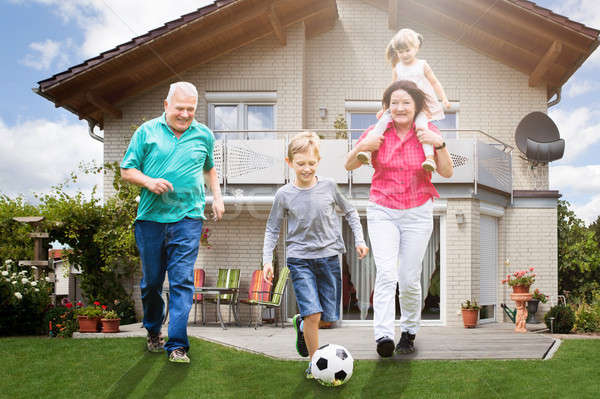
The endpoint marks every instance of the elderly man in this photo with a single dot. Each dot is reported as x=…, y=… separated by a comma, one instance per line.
x=169, y=157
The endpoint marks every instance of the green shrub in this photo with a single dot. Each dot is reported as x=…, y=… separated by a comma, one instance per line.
x=61, y=321
x=587, y=318
x=564, y=319
x=23, y=303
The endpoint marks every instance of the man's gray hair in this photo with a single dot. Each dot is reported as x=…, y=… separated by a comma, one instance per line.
x=187, y=88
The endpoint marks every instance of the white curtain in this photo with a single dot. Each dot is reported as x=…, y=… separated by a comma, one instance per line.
x=429, y=261
x=362, y=272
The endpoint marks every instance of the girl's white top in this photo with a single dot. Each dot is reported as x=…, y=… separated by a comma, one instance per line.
x=416, y=73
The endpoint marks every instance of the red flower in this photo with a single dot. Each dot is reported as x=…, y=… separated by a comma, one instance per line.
x=68, y=305
x=96, y=303
x=79, y=304
x=103, y=307
x=531, y=269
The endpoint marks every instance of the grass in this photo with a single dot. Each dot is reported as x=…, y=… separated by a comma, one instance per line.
x=119, y=368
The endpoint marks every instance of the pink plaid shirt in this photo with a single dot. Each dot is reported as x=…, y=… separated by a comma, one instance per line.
x=399, y=181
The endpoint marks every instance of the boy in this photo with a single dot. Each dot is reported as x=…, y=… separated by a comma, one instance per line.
x=314, y=241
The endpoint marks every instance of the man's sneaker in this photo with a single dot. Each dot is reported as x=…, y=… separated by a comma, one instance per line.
x=385, y=346
x=156, y=342
x=364, y=157
x=179, y=356
x=407, y=343
x=308, y=374
x=429, y=165
x=300, y=343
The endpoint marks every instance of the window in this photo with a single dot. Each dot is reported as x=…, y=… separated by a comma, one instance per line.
x=362, y=114
x=242, y=111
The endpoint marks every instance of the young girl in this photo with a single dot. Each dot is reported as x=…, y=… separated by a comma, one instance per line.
x=401, y=52
x=313, y=242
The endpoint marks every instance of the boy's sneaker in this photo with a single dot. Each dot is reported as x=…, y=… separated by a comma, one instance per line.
x=364, y=157
x=308, y=374
x=385, y=346
x=300, y=343
x=407, y=343
x=179, y=356
x=429, y=165
x=155, y=342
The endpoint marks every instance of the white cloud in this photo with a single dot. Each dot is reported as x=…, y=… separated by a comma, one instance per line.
x=579, y=128
x=577, y=87
x=589, y=211
x=45, y=54
x=108, y=23
x=38, y=154
x=581, y=179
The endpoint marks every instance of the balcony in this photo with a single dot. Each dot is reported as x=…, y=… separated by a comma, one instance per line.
x=254, y=162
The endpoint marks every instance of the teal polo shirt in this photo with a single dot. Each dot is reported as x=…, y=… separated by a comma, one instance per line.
x=156, y=152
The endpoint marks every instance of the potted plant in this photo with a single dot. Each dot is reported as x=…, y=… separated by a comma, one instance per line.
x=110, y=321
x=532, y=304
x=470, y=313
x=89, y=317
x=520, y=281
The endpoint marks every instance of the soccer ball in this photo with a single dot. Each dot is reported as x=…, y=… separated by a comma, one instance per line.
x=332, y=365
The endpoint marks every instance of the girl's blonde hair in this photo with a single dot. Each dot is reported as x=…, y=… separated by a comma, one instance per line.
x=303, y=142
x=405, y=38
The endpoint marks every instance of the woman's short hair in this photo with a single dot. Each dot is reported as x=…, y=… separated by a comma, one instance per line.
x=418, y=95
x=303, y=142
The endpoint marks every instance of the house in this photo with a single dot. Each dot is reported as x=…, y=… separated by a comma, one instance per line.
x=66, y=283
x=267, y=69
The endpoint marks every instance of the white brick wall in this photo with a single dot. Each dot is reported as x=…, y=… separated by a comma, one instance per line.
x=348, y=63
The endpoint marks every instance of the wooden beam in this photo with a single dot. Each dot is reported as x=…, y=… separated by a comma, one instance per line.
x=471, y=36
x=104, y=105
x=536, y=77
x=393, y=22
x=276, y=24
x=321, y=22
x=511, y=20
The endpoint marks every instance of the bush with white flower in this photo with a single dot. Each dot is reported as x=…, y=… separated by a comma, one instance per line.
x=23, y=302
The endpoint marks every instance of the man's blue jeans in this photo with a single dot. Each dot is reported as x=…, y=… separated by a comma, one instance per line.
x=168, y=248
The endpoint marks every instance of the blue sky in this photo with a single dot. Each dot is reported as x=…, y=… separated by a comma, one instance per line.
x=43, y=144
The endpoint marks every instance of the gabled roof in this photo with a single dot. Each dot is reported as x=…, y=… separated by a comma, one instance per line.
x=534, y=40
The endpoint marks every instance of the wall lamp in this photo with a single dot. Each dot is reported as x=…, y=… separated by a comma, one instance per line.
x=322, y=112
x=460, y=217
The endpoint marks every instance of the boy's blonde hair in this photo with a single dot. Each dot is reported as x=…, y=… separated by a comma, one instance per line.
x=303, y=142
x=405, y=38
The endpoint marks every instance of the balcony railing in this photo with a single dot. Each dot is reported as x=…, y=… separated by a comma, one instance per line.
x=258, y=158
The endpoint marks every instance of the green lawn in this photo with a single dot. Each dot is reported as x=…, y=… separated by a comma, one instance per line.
x=117, y=368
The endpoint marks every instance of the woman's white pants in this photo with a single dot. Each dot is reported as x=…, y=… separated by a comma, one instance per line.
x=399, y=239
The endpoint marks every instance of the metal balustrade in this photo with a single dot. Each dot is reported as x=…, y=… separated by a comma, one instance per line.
x=258, y=158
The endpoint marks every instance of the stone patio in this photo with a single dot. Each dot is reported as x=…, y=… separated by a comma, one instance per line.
x=489, y=341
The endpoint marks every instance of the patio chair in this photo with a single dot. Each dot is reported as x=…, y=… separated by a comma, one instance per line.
x=259, y=290
x=228, y=278
x=276, y=297
x=198, y=298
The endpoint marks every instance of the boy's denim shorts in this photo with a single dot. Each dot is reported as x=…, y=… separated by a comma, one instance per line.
x=317, y=285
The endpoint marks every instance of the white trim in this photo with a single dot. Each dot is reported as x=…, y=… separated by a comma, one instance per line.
x=236, y=97
x=362, y=106
x=485, y=208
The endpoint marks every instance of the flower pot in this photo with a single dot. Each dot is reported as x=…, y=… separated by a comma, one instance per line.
x=87, y=325
x=520, y=289
x=532, y=307
x=470, y=317
x=110, y=325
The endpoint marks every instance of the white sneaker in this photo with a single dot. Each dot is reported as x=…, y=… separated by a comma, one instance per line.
x=429, y=165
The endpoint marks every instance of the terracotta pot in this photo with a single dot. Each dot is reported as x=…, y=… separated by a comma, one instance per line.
x=87, y=325
x=470, y=317
x=520, y=289
x=110, y=325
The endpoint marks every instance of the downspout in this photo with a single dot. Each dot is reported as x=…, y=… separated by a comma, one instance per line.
x=557, y=99
x=91, y=125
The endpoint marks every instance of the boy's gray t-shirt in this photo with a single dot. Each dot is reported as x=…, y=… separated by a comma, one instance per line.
x=313, y=227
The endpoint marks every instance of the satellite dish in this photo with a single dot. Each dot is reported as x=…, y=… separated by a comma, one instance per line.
x=538, y=138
